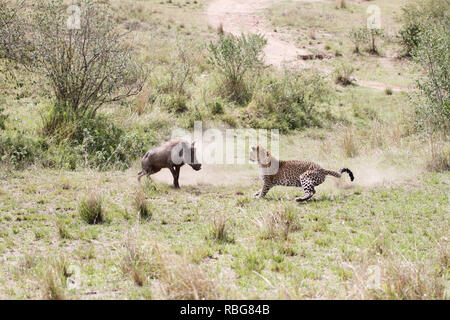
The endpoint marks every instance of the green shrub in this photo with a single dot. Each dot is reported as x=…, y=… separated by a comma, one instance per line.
x=95, y=143
x=235, y=57
x=359, y=38
x=291, y=102
x=433, y=55
x=91, y=211
x=216, y=107
x=365, y=37
x=409, y=35
x=416, y=17
x=3, y=118
x=343, y=74
x=19, y=150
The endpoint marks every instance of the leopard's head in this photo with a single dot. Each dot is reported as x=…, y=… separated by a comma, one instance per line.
x=260, y=155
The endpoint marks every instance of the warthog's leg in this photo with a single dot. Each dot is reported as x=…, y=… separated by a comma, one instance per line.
x=147, y=173
x=176, y=174
x=140, y=175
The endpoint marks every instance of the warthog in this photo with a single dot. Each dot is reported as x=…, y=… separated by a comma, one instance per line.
x=172, y=155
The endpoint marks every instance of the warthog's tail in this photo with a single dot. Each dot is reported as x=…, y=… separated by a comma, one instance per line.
x=339, y=174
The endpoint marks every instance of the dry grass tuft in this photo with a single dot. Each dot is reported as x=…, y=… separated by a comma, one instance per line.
x=141, y=206
x=349, y=144
x=343, y=74
x=140, y=263
x=176, y=277
x=54, y=279
x=90, y=209
x=389, y=277
x=408, y=281
x=440, y=157
x=183, y=280
x=278, y=224
x=219, y=231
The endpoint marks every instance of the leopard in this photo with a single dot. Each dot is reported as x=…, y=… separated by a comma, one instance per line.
x=292, y=173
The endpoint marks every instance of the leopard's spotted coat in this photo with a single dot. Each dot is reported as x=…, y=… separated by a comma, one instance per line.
x=293, y=173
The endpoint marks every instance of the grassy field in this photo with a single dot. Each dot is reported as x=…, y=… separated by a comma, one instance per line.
x=383, y=236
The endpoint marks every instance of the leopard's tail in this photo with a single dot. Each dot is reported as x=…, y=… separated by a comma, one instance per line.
x=339, y=174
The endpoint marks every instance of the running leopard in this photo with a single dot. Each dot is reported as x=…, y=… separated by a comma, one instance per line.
x=292, y=173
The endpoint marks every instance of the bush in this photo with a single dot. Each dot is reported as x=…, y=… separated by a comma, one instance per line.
x=416, y=17
x=91, y=211
x=433, y=54
x=95, y=143
x=409, y=35
x=359, y=38
x=234, y=57
x=219, y=231
x=343, y=74
x=291, y=102
x=19, y=150
x=141, y=206
x=172, y=86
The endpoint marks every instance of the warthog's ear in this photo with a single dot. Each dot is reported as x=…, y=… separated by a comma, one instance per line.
x=253, y=148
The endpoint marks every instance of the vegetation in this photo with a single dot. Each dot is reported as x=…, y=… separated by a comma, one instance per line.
x=433, y=54
x=235, y=57
x=69, y=161
x=90, y=210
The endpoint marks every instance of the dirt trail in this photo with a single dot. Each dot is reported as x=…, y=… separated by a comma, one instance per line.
x=237, y=16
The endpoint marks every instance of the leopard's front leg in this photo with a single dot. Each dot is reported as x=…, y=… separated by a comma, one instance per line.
x=262, y=193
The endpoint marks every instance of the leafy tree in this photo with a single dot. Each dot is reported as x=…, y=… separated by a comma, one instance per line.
x=359, y=37
x=86, y=65
x=418, y=15
x=433, y=54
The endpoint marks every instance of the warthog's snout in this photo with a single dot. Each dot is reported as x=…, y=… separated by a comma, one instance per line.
x=196, y=166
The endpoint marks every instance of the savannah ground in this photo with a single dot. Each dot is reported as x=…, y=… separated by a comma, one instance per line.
x=383, y=236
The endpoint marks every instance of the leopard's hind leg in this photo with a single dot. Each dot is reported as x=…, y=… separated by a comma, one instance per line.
x=309, y=191
x=308, y=181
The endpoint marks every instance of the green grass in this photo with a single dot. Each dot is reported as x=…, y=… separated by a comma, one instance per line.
x=335, y=236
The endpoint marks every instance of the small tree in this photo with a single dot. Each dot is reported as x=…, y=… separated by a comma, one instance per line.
x=433, y=54
x=359, y=37
x=374, y=33
x=87, y=64
x=12, y=36
x=234, y=57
